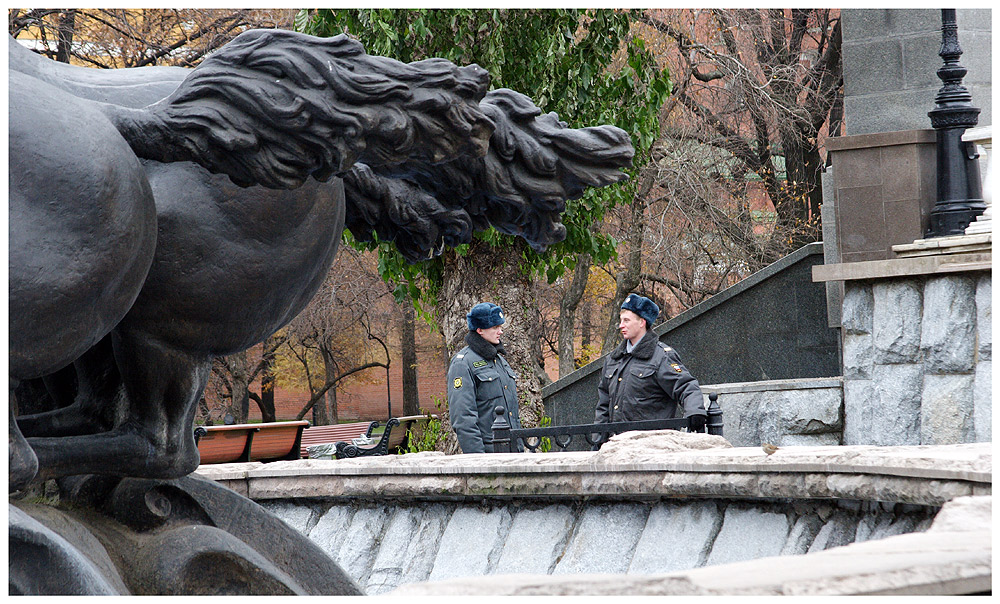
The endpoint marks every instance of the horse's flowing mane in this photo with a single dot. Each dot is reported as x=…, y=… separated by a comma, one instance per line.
x=274, y=107
x=434, y=157
x=399, y=210
x=534, y=164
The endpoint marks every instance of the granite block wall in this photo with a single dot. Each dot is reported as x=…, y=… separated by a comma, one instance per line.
x=782, y=412
x=883, y=188
x=891, y=62
x=383, y=546
x=917, y=360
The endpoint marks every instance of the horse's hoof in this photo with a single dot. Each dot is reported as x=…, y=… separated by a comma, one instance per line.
x=23, y=464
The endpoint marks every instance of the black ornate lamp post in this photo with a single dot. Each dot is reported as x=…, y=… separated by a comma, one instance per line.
x=959, y=190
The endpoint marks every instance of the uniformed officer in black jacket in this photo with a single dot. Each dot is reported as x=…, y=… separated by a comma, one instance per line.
x=644, y=378
x=479, y=379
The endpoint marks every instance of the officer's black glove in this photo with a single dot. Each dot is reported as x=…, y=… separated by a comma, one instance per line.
x=696, y=423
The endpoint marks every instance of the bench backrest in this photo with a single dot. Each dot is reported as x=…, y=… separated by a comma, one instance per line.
x=406, y=422
x=319, y=435
x=226, y=445
x=279, y=440
x=250, y=442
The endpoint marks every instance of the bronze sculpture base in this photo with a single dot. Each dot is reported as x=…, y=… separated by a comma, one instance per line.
x=165, y=537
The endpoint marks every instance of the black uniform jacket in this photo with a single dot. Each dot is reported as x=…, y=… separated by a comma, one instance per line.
x=648, y=383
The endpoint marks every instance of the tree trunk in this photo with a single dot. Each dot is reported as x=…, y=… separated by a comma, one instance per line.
x=488, y=274
x=567, y=314
x=628, y=279
x=331, y=405
x=325, y=406
x=266, y=402
x=240, y=402
x=67, y=25
x=408, y=345
x=204, y=412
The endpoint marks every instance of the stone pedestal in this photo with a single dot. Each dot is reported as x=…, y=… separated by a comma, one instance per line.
x=133, y=536
x=917, y=345
x=884, y=190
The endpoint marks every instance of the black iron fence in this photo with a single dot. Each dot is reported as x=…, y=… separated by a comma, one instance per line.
x=594, y=434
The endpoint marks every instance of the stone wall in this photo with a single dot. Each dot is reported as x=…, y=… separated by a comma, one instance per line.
x=883, y=188
x=383, y=546
x=648, y=503
x=952, y=557
x=917, y=360
x=782, y=412
x=770, y=326
x=891, y=61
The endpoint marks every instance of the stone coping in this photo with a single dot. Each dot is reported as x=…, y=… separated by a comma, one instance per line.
x=903, y=267
x=881, y=139
x=979, y=134
x=955, y=556
x=953, y=244
x=774, y=385
x=635, y=465
x=696, y=310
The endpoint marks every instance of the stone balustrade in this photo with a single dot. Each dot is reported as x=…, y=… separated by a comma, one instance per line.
x=982, y=138
x=399, y=522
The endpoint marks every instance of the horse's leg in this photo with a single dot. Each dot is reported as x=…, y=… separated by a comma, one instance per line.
x=97, y=397
x=53, y=391
x=22, y=463
x=156, y=439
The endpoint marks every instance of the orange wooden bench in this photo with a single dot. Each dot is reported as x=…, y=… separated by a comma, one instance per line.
x=320, y=435
x=270, y=441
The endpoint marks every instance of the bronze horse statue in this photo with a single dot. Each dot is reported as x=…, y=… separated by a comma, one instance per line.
x=160, y=217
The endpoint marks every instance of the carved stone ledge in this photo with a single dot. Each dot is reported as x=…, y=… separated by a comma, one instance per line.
x=955, y=244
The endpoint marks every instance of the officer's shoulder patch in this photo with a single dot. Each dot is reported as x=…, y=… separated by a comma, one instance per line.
x=458, y=382
x=677, y=367
x=480, y=364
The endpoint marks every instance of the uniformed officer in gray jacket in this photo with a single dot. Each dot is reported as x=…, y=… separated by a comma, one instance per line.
x=479, y=379
x=644, y=378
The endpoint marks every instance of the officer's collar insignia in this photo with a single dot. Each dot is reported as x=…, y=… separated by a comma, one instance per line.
x=676, y=367
x=458, y=382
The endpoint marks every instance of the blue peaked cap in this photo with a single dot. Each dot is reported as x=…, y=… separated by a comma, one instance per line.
x=484, y=315
x=642, y=306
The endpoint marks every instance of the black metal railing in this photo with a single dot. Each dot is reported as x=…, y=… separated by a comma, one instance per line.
x=594, y=434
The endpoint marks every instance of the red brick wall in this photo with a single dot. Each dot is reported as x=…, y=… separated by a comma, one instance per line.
x=366, y=399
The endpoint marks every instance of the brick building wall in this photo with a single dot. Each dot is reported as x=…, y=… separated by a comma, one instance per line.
x=368, y=401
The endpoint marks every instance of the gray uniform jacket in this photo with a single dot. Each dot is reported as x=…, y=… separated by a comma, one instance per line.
x=480, y=379
x=649, y=383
